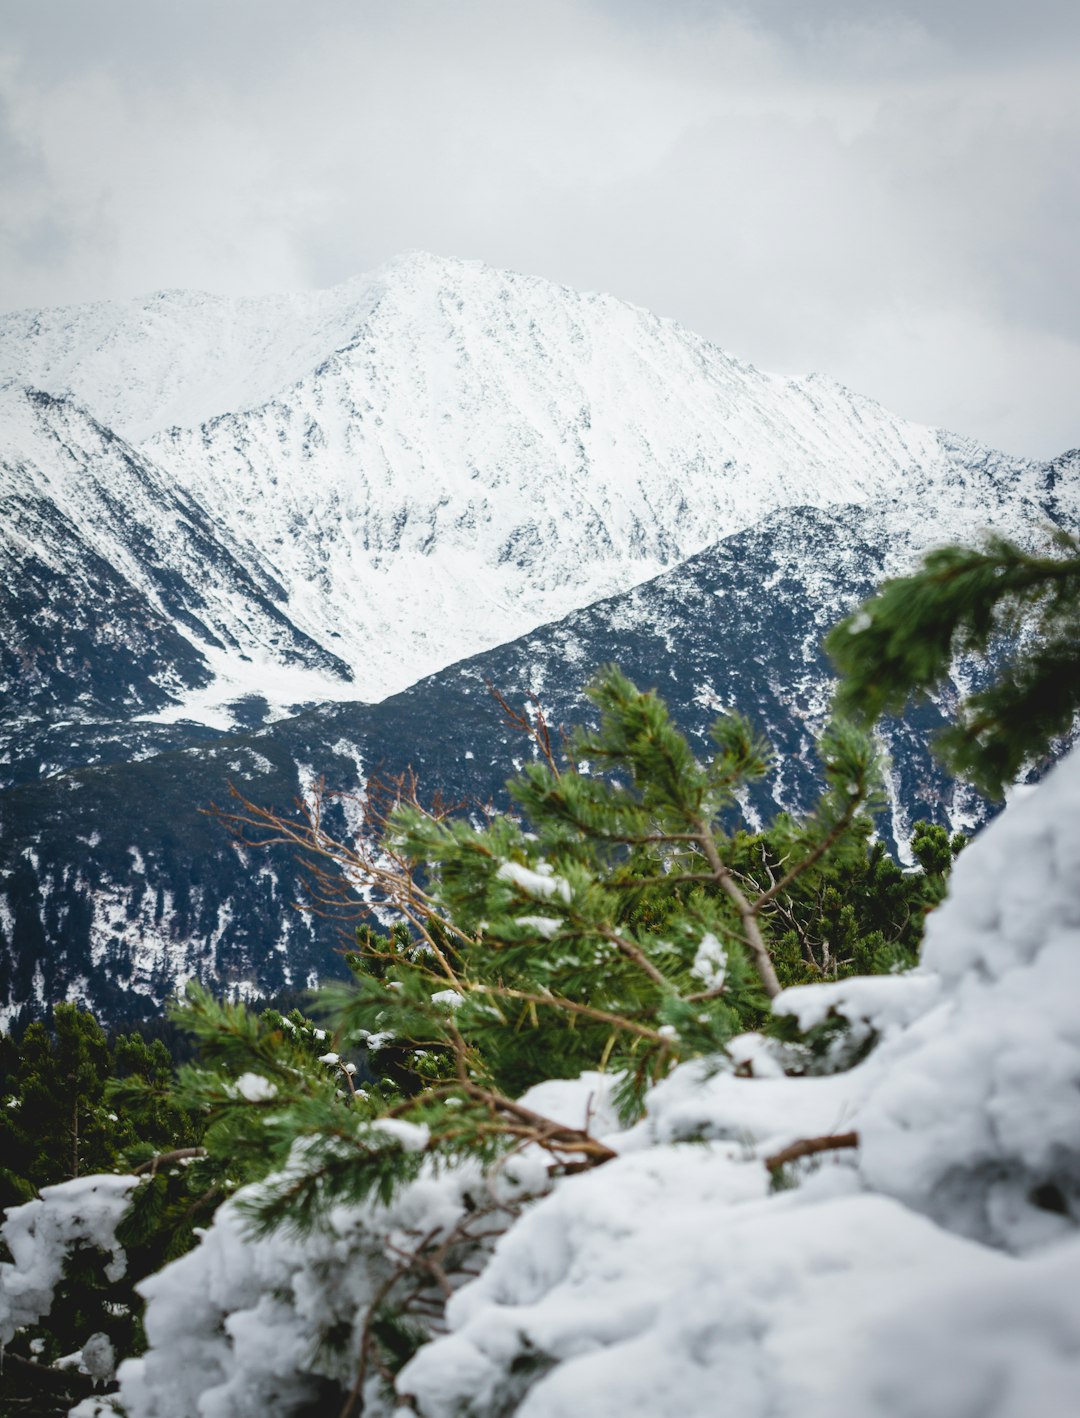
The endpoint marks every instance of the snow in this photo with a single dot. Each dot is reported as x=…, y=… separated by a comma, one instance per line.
x=931, y=1272
x=450, y=998
x=547, y=926
x=710, y=962
x=237, y=1326
x=542, y=884
x=98, y=1358
x=40, y=1233
x=254, y=1088
x=368, y=459
x=916, y=1276
x=410, y=1137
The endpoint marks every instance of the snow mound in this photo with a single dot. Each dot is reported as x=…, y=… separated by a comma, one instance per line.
x=933, y=1272
x=975, y=1115
x=40, y=1234
x=883, y=1285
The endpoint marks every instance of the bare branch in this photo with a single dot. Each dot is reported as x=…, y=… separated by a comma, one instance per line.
x=833, y=835
x=809, y=1146
x=165, y=1159
x=746, y=912
x=536, y=729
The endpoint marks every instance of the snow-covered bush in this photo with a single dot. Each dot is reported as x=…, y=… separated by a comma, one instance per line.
x=715, y=1212
x=933, y=1271
x=40, y=1235
x=673, y=1278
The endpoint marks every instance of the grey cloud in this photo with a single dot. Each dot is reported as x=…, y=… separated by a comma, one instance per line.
x=968, y=32
x=885, y=192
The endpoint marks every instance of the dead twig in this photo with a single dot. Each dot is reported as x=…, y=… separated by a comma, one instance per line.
x=535, y=728
x=810, y=1146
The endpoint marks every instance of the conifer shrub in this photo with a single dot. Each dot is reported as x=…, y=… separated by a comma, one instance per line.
x=619, y=918
x=996, y=603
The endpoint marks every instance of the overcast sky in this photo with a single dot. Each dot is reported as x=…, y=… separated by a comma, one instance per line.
x=885, y=192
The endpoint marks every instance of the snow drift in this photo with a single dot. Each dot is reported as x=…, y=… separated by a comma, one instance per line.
x=934, y=1272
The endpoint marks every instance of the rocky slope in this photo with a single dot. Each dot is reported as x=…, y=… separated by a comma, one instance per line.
x=115, y=885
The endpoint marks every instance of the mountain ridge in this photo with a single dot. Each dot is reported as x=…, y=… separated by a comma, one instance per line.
x=115, y=887
x=487, y=477
x=459, y=454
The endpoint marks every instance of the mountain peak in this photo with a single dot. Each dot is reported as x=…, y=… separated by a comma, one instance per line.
x=438, y=456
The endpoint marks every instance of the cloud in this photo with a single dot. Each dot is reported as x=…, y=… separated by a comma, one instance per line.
x=885, y=192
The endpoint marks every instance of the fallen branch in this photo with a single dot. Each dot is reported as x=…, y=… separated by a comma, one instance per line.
x=808, y=1146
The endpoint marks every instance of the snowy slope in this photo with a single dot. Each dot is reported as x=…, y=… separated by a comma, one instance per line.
x=215, y=510
x=433, y=459
x=114, y=885
x=118, y=592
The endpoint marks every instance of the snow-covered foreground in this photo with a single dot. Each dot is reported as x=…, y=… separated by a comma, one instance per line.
x=933, y=1272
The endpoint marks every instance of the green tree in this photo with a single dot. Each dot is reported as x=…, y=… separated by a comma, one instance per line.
x=56, y=1123
x=59, y=1120
x=1018, y=611
x=605, y=923
x=855, y=911
x=619, y=918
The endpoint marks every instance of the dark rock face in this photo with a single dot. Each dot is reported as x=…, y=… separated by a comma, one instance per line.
x=114, y=585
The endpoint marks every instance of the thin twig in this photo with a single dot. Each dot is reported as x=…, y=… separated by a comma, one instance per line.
x=809, y=1146
x=164, y=1159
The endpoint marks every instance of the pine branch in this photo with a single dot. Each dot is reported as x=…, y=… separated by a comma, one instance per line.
x=165, y=1159
x=745, y=911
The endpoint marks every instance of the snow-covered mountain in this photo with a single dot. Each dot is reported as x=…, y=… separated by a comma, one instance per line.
x=114, y=884
x=218, y=511
x=119, y=594
x=358, y=486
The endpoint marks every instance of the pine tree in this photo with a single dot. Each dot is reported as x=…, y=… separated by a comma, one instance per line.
x=606, y=923
x=56, y=1123
x=1019, y=611
x=619, y=918
x=60, y=1118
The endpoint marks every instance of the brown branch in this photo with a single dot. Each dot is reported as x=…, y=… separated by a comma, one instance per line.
x=747, y=914
x=164, y=1159
x=350, y=1406
x=833, y=835
x=634, y=952
x=809, y=1146
x=669, y=879
x=50, y=1378
x=545, y=1130
x=538, y=731
x=601, y=1016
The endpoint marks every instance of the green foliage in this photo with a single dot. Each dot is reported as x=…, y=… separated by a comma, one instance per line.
x=619, y=919
x=57, y=1119
x=615, y=920
x=61, y=1117
x=1020, y=611
x=855, y=912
